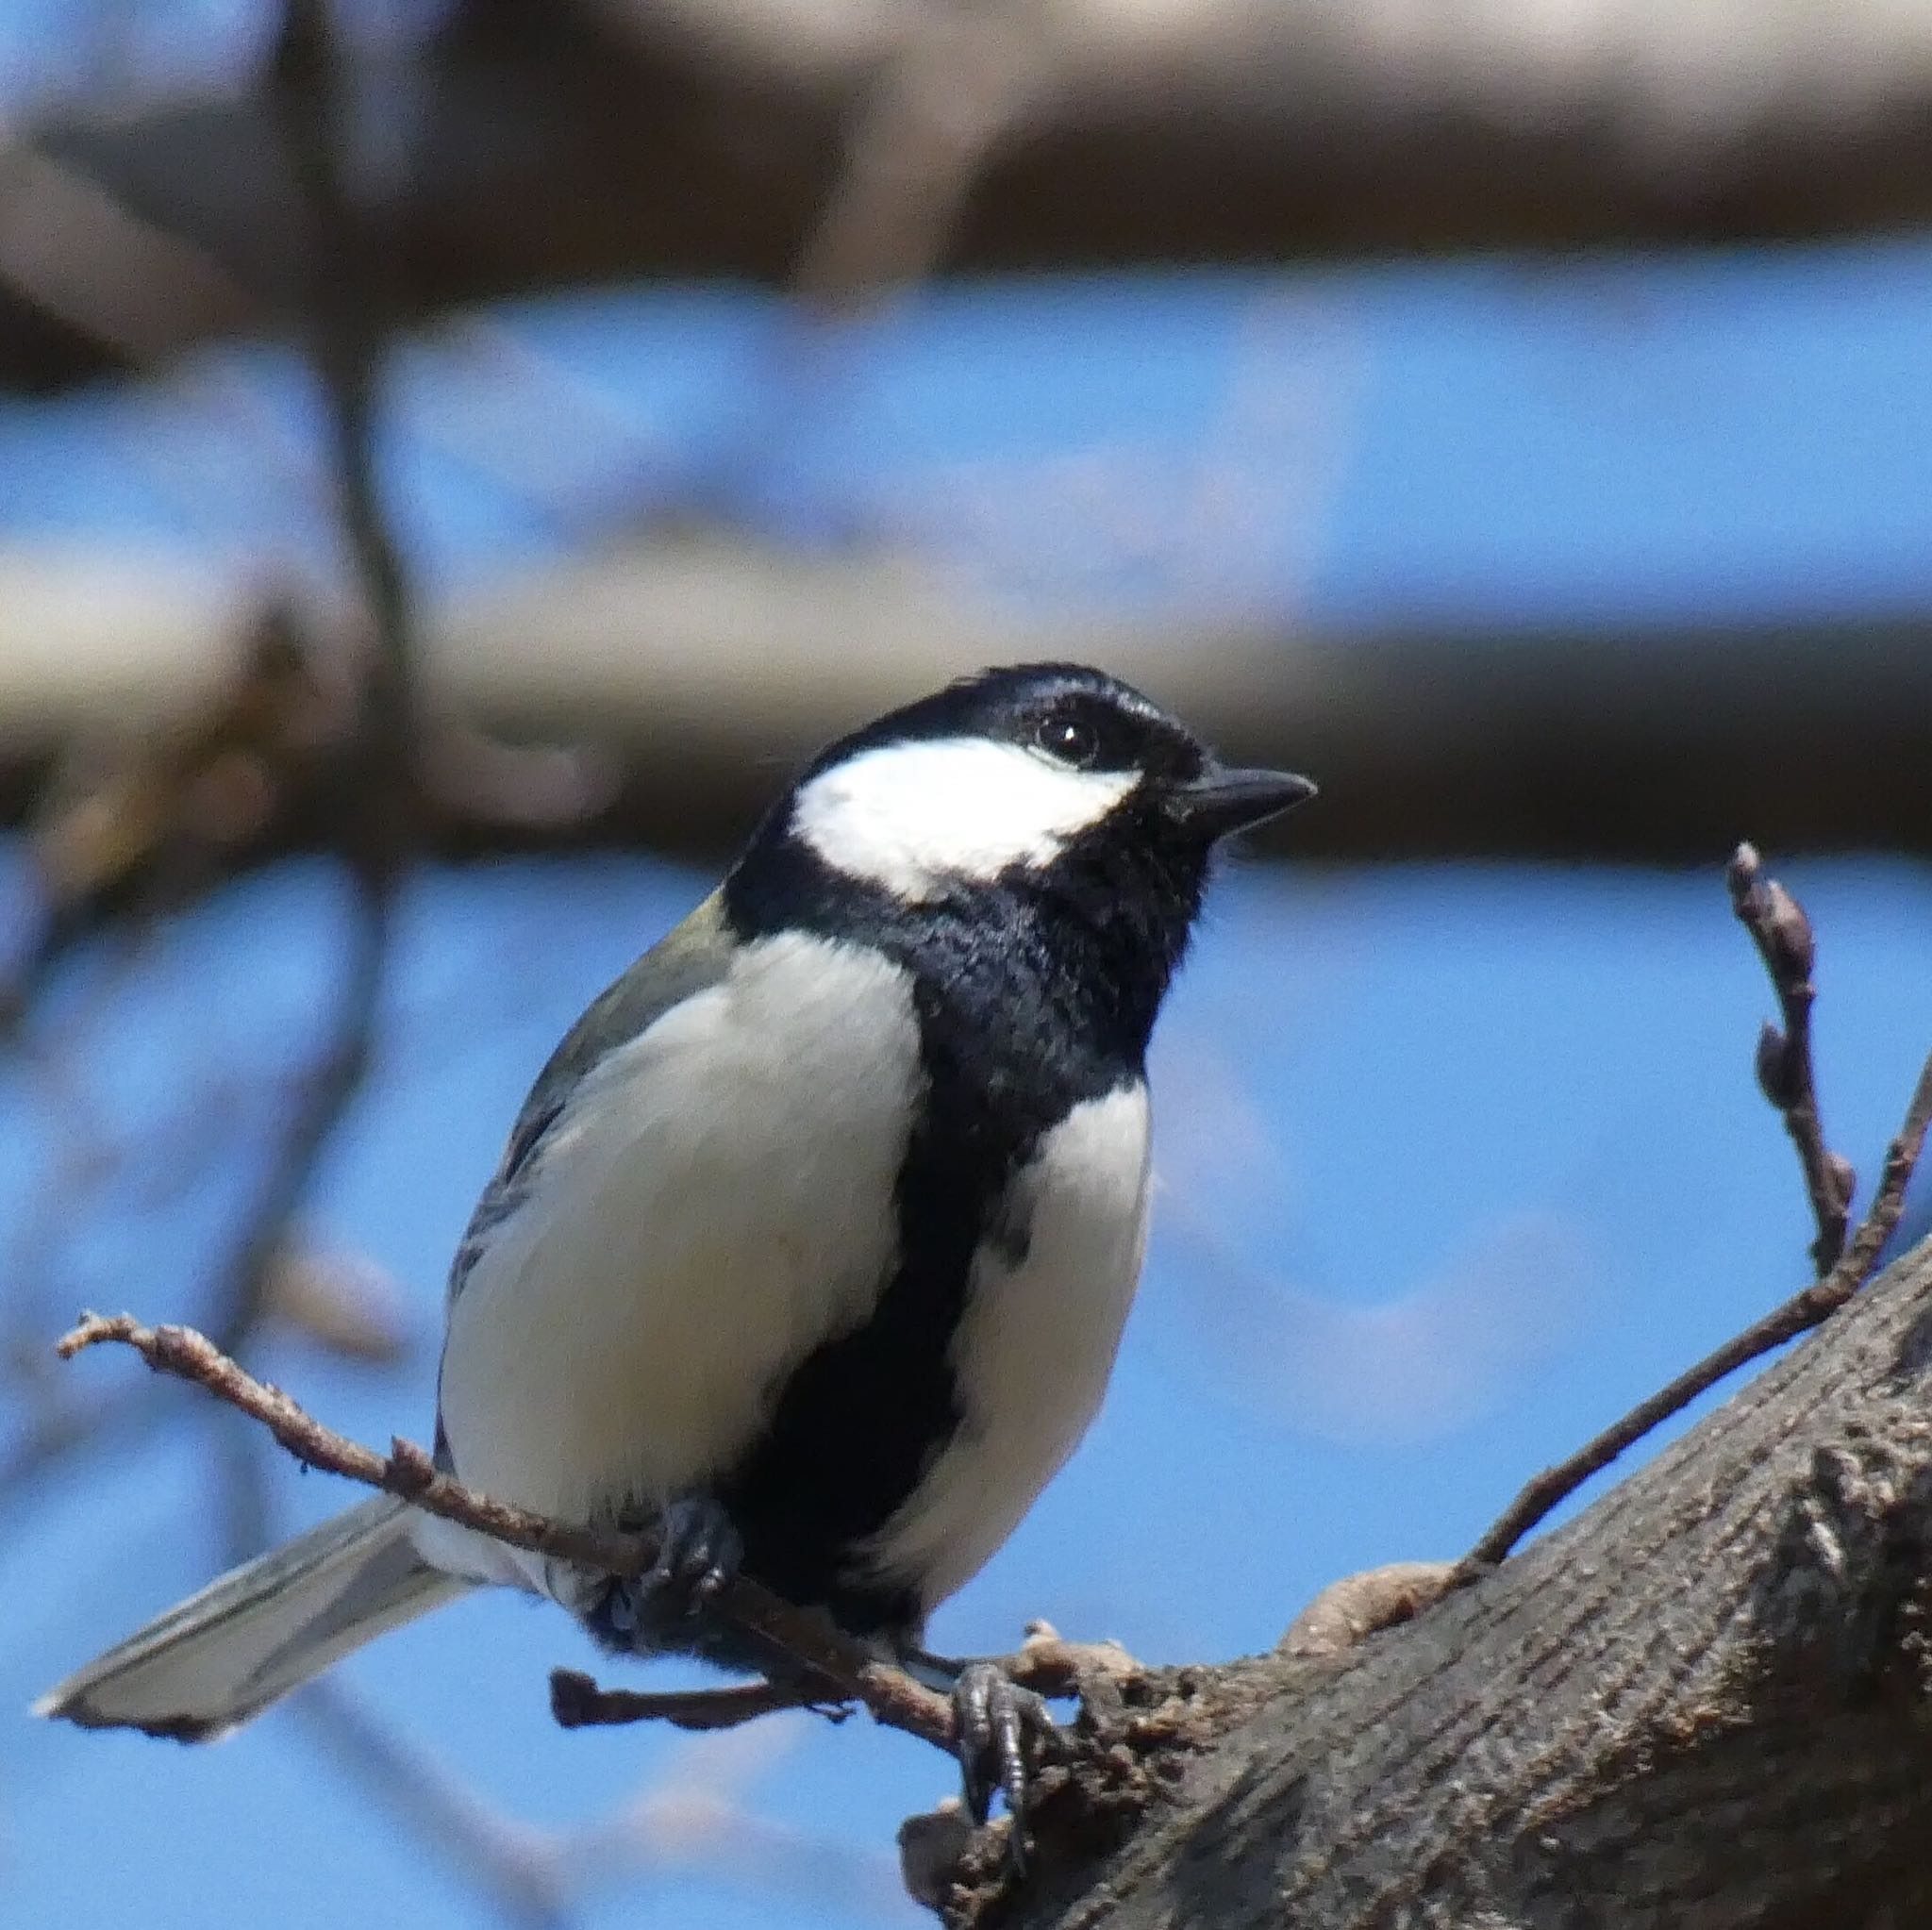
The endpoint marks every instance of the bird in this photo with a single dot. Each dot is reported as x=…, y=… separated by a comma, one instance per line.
x=814, y=1240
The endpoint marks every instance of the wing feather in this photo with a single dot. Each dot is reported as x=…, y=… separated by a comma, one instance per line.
x=694, y=955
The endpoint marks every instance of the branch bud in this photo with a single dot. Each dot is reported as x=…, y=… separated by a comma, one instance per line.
x=1790, y=931
x=1844, y=1179
x=1741, y=872
x=1776, y=1076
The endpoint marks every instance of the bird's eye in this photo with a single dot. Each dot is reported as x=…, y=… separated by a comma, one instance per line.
x=1068, y=740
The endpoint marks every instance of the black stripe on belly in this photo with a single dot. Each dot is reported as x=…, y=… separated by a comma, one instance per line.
x=858, y=1423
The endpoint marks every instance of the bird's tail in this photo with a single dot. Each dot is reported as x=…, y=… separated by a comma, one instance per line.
x=262, y=1630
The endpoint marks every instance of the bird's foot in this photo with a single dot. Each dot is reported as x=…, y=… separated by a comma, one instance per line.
x=998, y=1726
x=699, y=1550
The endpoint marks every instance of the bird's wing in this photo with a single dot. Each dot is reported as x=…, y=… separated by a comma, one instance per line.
x=695, y=954
x=713, y=1200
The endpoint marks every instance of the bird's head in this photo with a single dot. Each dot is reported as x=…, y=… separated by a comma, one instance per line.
x=1045, y=818
x=1034, y=770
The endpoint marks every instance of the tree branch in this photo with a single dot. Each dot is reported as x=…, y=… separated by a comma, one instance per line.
x=805, y=1643
x=1782, y=936
x=375, y=818
x=577, y=1702
x=1805, y=1310
x=1227, y=132
x=1700, y=1705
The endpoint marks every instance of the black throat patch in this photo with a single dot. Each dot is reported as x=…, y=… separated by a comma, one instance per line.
x=1033, y=993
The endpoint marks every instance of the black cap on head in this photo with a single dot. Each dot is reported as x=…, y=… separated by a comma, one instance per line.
x=1087, y=719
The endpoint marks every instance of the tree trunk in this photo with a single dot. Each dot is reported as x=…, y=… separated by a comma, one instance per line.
x=1703, y=1705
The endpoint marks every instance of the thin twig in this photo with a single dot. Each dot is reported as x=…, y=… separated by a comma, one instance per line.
x=1047, y=1664
x=374, y=815
x=345, y=333
x=1782, y=936
x=577, y=1702
x=328, y=1086
x=1803, y=1311
x=806, y=1644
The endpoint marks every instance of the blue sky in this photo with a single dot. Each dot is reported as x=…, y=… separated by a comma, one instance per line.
x=1456, y=1162
x=1484, y=443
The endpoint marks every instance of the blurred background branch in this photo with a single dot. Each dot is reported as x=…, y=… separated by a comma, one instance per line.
x=1655, y=743
x=603, y=140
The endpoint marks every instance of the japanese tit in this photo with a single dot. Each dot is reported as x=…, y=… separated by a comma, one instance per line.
x=815, y=1238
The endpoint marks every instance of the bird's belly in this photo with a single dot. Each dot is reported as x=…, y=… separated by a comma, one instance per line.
x=714, y=1201
x=1034, y=1349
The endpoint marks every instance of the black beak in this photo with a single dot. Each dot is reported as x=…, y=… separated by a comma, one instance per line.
x=1220, y=801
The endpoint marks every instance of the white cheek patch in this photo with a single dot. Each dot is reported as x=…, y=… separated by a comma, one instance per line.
x=912, y=816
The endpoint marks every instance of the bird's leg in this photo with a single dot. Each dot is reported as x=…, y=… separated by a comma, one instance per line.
x=699, y=1550
x=999, y=1729
x=997, y=1720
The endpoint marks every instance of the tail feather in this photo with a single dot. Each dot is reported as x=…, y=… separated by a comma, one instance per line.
x=260, y=1630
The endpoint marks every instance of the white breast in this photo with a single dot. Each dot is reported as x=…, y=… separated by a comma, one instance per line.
x=1033, y=1354
x=714, y=1201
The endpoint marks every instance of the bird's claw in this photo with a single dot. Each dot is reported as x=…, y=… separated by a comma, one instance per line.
x=698, y=1551
x=997, y=1724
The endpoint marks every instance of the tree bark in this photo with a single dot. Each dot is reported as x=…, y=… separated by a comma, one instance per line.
x=1703, y=1705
